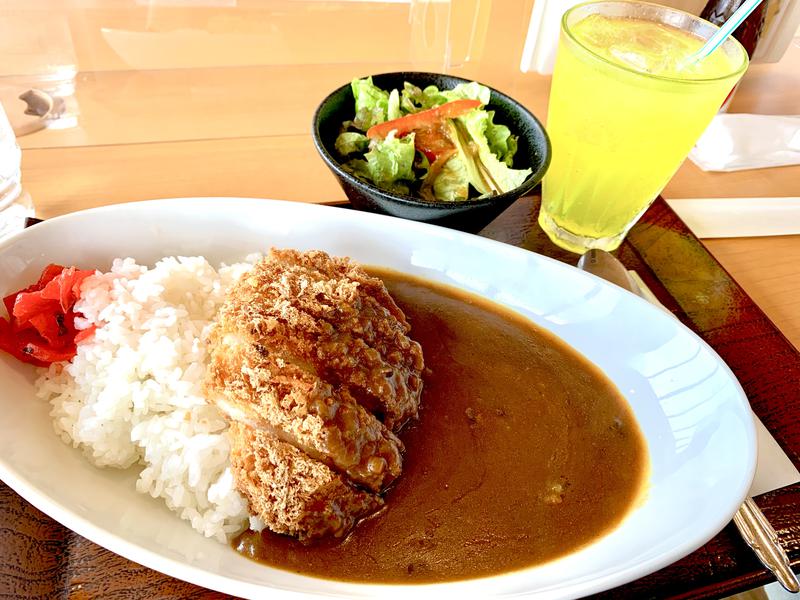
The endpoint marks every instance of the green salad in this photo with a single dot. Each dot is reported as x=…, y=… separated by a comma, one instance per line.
x=439, y=145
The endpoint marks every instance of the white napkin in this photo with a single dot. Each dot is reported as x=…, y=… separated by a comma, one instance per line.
x=739, y=217
x=774, y=470
x=735, y=142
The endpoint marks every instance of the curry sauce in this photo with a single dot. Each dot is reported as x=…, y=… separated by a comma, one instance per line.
x=523, y=452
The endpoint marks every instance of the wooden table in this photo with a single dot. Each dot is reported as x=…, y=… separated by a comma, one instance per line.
x=216, y=100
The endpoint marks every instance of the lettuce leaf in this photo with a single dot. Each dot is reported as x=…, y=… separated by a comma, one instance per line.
x=414, y=99
x=486, y=172
x=504, y=176
x=452, y=184
x=470, y=91
x=372, y=103
x=409, y=98
x=351, y=142
x=357, y=167
x=501, y=142
x=391, y=159
x=388, y=164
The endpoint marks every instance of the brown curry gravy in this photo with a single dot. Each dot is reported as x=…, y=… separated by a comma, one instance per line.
x=523, y=452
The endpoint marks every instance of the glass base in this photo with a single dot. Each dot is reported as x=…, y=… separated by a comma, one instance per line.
x=579, y=244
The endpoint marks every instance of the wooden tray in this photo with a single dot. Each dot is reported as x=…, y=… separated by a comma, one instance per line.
x=42, y=559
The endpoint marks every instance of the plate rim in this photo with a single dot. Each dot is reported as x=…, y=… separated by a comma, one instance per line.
x=198, y=576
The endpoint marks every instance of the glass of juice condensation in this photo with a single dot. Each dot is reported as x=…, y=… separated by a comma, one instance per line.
x=625, y=109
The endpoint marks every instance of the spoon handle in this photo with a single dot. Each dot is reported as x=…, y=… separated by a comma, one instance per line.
x=763, y=539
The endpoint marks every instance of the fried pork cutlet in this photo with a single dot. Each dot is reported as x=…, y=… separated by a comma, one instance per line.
x=276, y=393
x=338, y=321
x=292, y=493
x=312, y=352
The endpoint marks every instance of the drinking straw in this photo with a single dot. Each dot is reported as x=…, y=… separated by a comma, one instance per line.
x=724, y=31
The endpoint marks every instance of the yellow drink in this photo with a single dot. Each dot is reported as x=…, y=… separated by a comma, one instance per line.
x=624, y=113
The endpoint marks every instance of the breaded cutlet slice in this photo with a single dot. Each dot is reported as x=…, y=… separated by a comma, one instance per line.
x=336, y=320
x=289, y=401
x=292, y=493
x=305, y=347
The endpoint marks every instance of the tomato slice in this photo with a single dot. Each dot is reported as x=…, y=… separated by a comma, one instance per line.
x=426, y=118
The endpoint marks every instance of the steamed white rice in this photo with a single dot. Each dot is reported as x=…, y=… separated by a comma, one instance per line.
x=133, y=394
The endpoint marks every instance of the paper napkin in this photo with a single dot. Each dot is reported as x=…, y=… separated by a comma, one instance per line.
x=739, y=217
x=735, y=142
x=774, y=470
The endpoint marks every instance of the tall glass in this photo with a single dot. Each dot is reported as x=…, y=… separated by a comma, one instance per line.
x=624, y=114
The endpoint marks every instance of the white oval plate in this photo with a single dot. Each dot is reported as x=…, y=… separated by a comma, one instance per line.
x=689, y=406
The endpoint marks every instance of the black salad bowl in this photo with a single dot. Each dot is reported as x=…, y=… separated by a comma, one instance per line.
x=533, y=152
